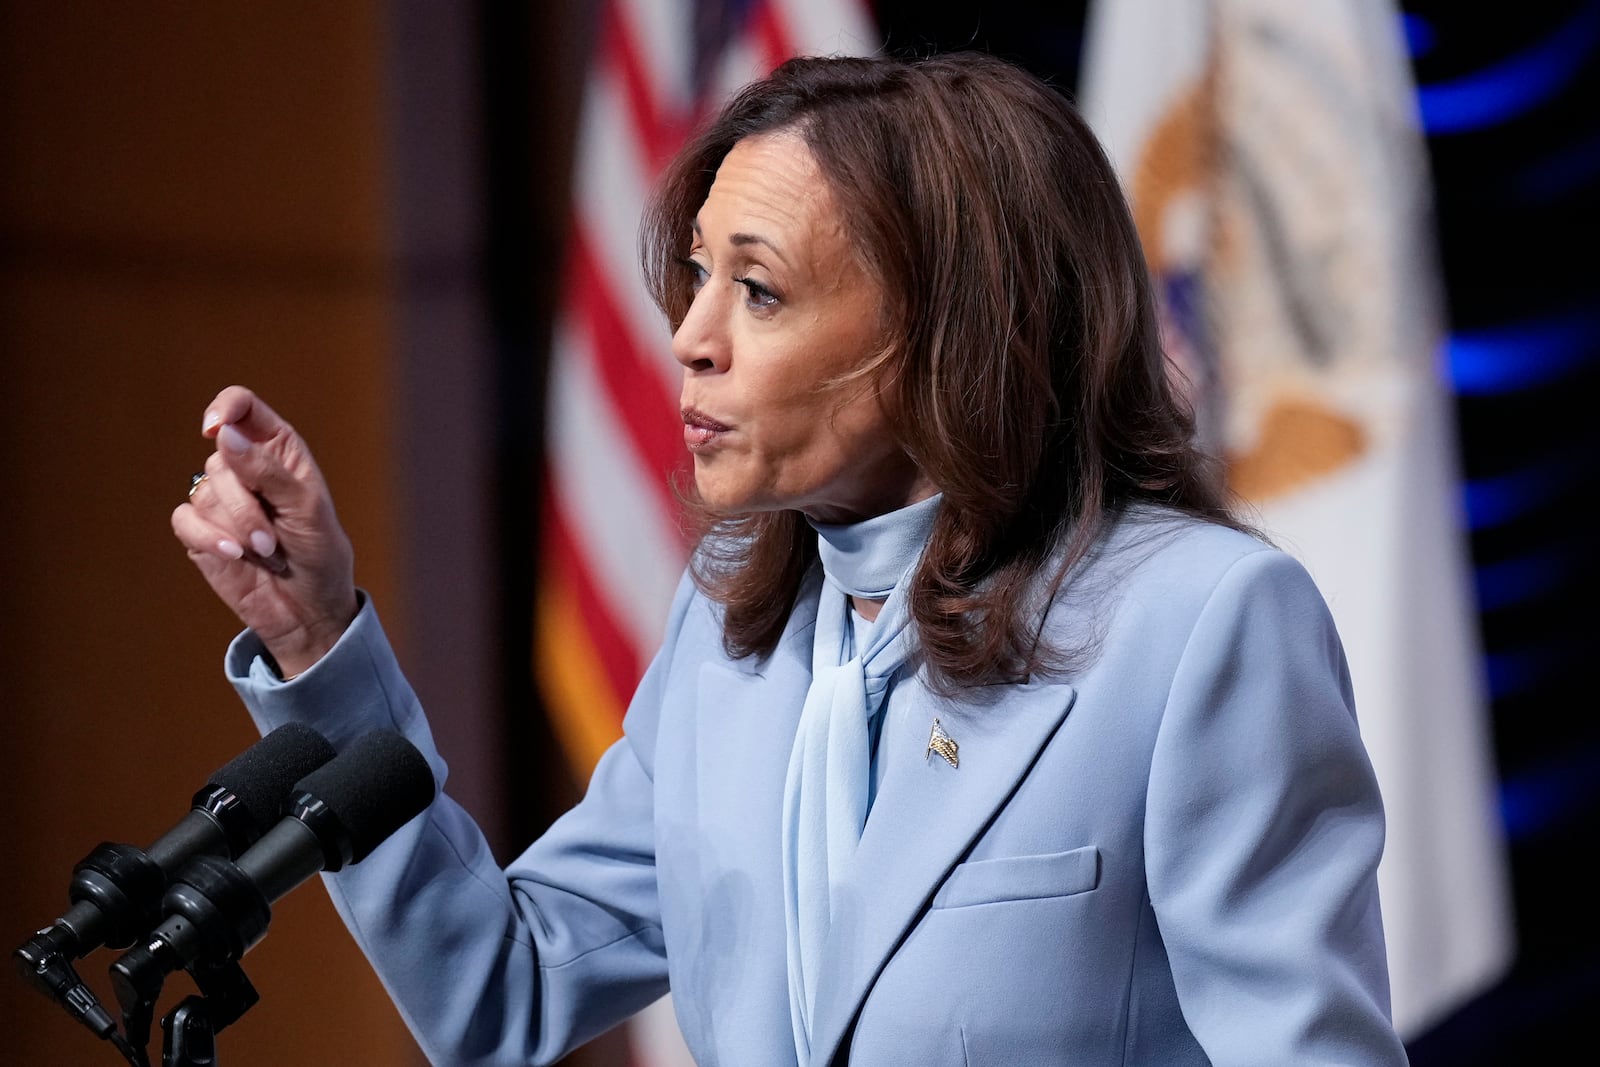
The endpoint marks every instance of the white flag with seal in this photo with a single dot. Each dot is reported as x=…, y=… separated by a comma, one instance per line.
x=1272, y=154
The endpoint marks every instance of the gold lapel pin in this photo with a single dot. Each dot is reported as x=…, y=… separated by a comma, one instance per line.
x=942, y=743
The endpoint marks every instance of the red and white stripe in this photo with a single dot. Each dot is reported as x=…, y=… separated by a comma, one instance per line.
x=613, y=546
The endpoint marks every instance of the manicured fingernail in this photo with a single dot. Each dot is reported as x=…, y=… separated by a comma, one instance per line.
x=230, y=549
x=264, y=543
x=233, y=440
x=210, y=422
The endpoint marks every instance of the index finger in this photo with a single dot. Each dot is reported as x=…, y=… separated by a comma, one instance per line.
x=261, y=449
x=246, y=412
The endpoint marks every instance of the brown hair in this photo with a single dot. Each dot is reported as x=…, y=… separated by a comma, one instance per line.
x=1023, y=371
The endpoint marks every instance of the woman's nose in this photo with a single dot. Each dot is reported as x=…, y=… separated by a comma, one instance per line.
x=701, y=340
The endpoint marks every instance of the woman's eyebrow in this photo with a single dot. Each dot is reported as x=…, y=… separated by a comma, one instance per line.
x=743, y=239
x=757, y=239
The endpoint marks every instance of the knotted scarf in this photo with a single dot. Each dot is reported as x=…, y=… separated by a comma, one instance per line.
x=828, y=786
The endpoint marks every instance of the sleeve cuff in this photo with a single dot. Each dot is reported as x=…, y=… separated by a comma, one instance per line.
x=353, y=689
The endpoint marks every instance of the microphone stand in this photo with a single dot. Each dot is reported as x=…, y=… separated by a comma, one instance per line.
x=188, y=1031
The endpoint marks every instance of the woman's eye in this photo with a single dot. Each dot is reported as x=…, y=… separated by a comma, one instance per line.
x=756, y=294
x=698, y=274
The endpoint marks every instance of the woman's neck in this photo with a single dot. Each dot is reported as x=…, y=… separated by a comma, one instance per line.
x=867, y=609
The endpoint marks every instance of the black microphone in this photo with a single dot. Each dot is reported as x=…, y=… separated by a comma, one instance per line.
x=216, y=911
x=116, y=890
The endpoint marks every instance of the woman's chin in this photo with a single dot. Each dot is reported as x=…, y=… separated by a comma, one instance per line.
x=720, y=494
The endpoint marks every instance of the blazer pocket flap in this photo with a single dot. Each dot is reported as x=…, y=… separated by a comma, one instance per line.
x=1056, y=874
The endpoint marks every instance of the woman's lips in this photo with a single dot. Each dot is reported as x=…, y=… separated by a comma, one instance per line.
x=701, y=430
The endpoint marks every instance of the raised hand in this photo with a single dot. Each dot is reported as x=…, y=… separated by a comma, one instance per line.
x=261, y=528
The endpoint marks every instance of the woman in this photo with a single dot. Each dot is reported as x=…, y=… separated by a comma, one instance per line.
x=980, y=733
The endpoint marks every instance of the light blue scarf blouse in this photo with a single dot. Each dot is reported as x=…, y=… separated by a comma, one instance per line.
x=828, y=788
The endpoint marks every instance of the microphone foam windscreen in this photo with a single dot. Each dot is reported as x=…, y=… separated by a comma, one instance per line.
x=262, y=775
x=374, y=787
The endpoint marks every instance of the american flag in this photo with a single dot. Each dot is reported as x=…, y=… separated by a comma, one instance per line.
x=612, y=546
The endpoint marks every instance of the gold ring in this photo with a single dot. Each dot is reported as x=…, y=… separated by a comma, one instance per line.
x=194, y=482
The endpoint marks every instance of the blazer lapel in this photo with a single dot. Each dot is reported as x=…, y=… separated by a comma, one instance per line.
x=745, y=725
x=926, y=816
x=726, y=881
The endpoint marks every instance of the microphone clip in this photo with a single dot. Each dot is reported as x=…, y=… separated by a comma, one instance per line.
x=188, y=1031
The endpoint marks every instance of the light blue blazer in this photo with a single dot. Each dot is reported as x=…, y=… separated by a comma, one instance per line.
x=1167, y=855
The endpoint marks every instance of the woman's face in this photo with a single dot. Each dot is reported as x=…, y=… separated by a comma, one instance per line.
x=781, y=307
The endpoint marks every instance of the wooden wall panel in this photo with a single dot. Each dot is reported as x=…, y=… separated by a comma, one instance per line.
x=190, y=195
